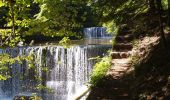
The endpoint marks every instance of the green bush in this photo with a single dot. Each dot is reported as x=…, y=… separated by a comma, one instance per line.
x=100, y=70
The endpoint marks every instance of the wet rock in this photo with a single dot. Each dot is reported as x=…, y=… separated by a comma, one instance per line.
x=23, y=97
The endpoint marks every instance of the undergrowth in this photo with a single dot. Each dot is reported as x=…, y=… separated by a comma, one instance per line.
x=100, y=70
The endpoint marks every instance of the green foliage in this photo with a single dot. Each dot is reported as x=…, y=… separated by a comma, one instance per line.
x=113, y=42
x=16, y=15
x=2, y=3
x=39, y=79
x=33, y=97
x=100, y=70
x=114, y=13
x=42, y=87
x=7, y=40
x=65, y=42
x=66, y=19
x=135, y=43
x=36, y=97
x=6, y=62
x=61, y=20
x=165, y=4
x=3, y=14
x=69, y=17
x=111, y=27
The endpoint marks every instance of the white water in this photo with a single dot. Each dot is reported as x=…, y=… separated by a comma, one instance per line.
x=68, y=69
x=96, y=32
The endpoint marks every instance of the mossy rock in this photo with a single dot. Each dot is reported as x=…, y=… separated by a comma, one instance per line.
x=23, y=97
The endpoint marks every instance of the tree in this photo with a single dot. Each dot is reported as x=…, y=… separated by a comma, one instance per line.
x=9, y=37
x=115, y=13
x=43, y=17
x=18, y=18
x=11, y=6
x=152, y=6
x=160, y=10
x=59, y=17
x=169, y=13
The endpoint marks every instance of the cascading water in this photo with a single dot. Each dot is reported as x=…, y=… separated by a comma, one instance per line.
x=68, y=70
x=96, y=32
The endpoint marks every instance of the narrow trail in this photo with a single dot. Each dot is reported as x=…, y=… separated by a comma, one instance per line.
x=121, y=61
x=116, y=85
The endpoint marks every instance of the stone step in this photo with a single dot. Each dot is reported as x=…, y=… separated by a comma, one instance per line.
x=108, y=97
x=123, y=46
x=113, y=89
x=127, y=35
x=121, y=61
x=115, y=75
x=119, y=68
x=116, y=83
x=119, y=55
x=119, y=91
x=123, y=50
x=110, y=94
x=121, y=64
x=125, y=38
x=124, y=31
x=121, y=98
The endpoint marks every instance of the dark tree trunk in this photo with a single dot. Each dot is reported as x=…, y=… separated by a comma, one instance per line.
x=169, y=13
x=159, y=6
x=13, y=19
x=44, y=74
x=11, y=4
x=1, y=41
x=152, y=6
x=44, y=79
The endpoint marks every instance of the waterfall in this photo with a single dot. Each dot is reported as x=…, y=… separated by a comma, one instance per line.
x=96, y=32
x=68, y=69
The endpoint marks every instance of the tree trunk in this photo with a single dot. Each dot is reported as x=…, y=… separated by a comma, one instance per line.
x=152, y=7
x=44, y=79
x=159, y=5
x=11, y=7
x=1, y=40
x=12, y=17
x=169, y=13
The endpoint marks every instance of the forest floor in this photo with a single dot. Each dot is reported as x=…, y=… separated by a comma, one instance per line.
x=152, y=73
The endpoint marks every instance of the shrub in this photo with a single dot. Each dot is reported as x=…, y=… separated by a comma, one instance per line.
x=100, y=70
